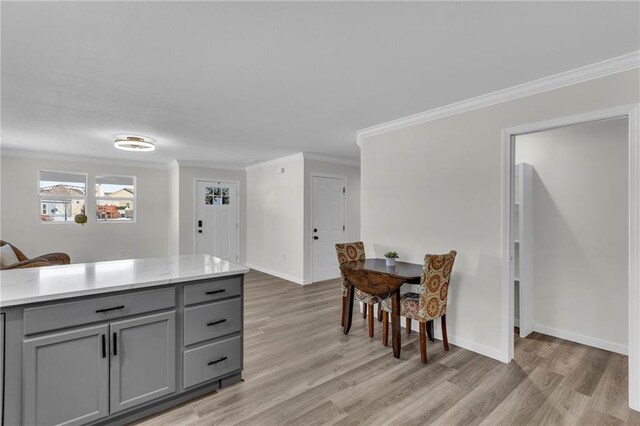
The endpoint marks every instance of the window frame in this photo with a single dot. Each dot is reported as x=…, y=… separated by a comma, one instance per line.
x=41, y=198
x=134, y=200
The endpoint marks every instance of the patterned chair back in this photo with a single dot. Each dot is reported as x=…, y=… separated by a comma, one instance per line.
x=434, y=285
x=348, y=252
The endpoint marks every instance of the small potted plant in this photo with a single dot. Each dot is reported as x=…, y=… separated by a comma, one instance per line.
x=391, y=258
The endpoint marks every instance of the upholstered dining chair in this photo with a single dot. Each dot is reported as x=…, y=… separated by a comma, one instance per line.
x=348, y=252
x=430, y=303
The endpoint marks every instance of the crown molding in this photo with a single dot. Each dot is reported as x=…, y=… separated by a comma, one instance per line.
x=275, y=161
x=78, y=158
x=556, y=81
x=175, y=163
x=208, y=165
x=328, y=159
x=304, y=156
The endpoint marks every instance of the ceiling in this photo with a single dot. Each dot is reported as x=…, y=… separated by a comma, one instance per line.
x=235, y=83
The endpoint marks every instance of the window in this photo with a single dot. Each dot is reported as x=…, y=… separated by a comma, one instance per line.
x=217, y=195
x=115, y=198
x=62, y=195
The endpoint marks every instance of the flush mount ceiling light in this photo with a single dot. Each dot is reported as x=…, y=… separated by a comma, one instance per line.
x=134, y=143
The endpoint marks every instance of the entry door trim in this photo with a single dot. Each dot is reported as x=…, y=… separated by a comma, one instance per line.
x=344, y=214
x=194, y=227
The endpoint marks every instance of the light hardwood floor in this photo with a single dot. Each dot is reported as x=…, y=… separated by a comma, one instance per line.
x=301, y=370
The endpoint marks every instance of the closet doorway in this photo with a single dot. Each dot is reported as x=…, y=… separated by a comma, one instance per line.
x=583, y=254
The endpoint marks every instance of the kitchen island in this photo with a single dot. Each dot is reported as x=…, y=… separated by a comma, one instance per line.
x=111, y=342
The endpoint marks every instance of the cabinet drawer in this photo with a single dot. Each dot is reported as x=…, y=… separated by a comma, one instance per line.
x=212, y=290
x=53, y=317
x=211, y=361
x=212, y=320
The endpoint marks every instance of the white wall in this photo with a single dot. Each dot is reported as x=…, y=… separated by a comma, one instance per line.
x=580, y=224
x=279, y=214
x=437, y=186
x=174, y=208
x=186, y=185
x=352, y=175
x=275, y=219
x=94, y=241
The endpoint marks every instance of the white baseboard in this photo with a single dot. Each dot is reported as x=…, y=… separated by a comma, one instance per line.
x=476, y=347
x=454, y=340
x=582, y=339
x=516, y=322
x=278, y=274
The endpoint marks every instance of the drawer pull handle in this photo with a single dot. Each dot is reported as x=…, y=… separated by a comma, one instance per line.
x=216, y=322
x=99, y=311
x=216, y=291
x=217, y=361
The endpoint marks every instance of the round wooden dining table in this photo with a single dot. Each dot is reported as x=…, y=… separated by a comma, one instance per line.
x=374, y=277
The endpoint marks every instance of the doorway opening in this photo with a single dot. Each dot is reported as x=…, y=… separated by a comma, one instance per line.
x=570, y=233
x=512, y=239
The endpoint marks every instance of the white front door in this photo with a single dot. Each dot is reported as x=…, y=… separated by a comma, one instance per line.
x=327, y=226
x=217, y=219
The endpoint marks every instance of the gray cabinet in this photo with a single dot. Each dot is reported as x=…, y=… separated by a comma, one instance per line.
x=211, y=361
x=2, y=332
x=66, y=377
x=115, y=358
x=143, y=365
x=80, y=376
x=212, y=320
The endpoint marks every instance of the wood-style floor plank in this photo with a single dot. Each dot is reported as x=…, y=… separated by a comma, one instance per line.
x=301, y=370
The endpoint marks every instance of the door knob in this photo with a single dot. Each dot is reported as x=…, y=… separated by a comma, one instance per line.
x=199, y=231
x=315, y=229
x=315, y=237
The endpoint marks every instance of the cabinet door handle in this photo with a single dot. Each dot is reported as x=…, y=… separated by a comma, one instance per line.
x=104, y=345
x=115, y=308
x=217, y=361
x=216, y=322
x=216, y=291
x=115, y=343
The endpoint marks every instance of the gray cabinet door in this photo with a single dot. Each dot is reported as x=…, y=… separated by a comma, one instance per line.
x=2, y=369
x=143, y=355
x=66, y=377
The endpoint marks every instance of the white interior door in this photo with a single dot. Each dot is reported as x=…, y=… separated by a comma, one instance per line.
x=217, y=219
x=328, y=225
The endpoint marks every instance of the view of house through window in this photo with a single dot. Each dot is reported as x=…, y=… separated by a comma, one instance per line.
x=115, y=198
x=62, y=195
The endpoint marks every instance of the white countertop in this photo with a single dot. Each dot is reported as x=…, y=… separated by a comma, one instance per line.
x=22, y=286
